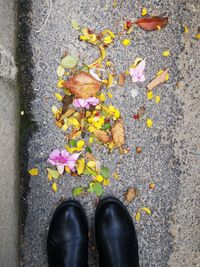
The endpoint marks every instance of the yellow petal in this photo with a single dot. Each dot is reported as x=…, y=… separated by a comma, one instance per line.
x=106, y=182
x=167, y=77
x=110, y=95
x=166, y=53
x=110, y=80
x=80, y=166
x=108, y=63
x=147, y=210
x=102, y=97
x=138, y=215
x=126, y=42
x=58, y=96
x=149, y=123
x=107, y=39
x=150, y=95
x=91, y=129
x=67, y=169
x=33, y=172
x=54, y=110
x=197, y=36
x=158, y=27
x=107, y=31
x=91, y=164
x=186, y=30
x=144, y=11
x=54, y=187
x=159, y=72
x=60, y=84
x=80, y=144
x=49, y=177
x=91, y=140
x=99, y=178
x=157, y=99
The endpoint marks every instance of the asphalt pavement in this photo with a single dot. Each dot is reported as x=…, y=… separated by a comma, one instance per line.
x=169, y=157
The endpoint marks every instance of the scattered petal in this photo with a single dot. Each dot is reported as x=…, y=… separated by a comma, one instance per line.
x=33, y=172
x=197, y=36
x=150, y=95
x=58, y=96
x=149, y=123
x=144, y=11
x=186, y=29
x=134, y=93
x=80, y=166
x=157, y=99
x=54, y=187
x=85, y=103
x=75, y=25
x=126, y=42
x=166, y=53
x=138, y=214
x=137, y=72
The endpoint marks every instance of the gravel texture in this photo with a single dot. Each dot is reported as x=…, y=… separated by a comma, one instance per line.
x=165, y=147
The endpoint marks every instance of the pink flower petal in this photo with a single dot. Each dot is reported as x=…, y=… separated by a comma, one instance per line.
x=85, y=103
x=60, y=168
x=137, y=72
x=64, y=153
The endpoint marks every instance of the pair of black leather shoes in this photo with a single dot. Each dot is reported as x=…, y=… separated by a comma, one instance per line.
x=67, y=244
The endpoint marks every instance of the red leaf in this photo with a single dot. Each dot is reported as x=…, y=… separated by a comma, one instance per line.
x=152, y=23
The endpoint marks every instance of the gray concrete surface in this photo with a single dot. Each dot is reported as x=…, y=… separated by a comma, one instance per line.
x=9, y=118
x=170, y=156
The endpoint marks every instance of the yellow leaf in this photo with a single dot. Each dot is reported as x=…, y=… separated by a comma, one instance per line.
x=144, y=11
x=80, y=166
x=126, y=42
x=33, y=172
x=149, y=123
x=54, y=187
x=166, y=53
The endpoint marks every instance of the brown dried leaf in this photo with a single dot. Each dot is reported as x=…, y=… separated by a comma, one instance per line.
x=89, y=157
x=121, y=80
x=118, y=133
x=67, y=100
x=68, y=113
x=152, y=23
x=158, y=80
x=83, y=85
x=131, y=194
x=141, y=111
x=102, y=136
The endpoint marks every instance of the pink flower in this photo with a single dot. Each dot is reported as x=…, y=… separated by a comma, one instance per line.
x=85, y=103
x=137, y=72
x=62, y=158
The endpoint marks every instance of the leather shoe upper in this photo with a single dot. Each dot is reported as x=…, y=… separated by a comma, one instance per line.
x=115, y=235
x=67, y=242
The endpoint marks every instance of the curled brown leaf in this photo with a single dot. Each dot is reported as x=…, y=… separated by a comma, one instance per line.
x=102, y=136
x=152, y=23
x=83, y=85
x=118, y=133
x=67, y=100
x=158, y=80
x=121, y=80
x=131, y=194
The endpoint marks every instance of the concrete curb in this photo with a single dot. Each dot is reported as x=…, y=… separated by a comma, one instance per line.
x=9, y=118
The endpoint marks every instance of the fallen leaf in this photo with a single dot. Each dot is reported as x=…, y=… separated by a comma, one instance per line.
x=80, y=166
x=60, y=71
x=138, y=213
x=54, y=174
x=33, y=172
x=158, y=80
x=105, y=172
x=68, y=113
x=118, y=133
x=67, y=100
x=102, y=136
x=98, y=189
x=83, y=85
x=77, y=191
x=152, y=23
x=89, y=156
x=75, y=25
x=69, y=62
x=131, y=194
x=121, y=80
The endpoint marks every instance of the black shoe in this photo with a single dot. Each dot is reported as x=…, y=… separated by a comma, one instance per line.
x=67, y=243
x=115, y=235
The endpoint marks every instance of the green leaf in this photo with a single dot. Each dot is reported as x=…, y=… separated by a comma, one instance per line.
x=69, y=62
x=98, y=189
x=75, y=25
x=60, y=71
x=91, y=188
x=88, y=149
x=105, y=172
x=54, y=174
x=77, y=191
x=106, y=126
x=88, y=171
x=73, y=143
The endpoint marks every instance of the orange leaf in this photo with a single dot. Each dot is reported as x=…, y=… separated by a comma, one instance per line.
x=158, y=80
x=152, y=23
x=102, y=136
x=83, y=85
x=121, y=80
